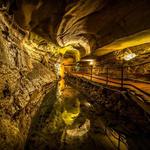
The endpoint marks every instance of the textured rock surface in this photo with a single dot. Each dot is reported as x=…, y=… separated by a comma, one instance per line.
x=24, y=80
x=86, y=25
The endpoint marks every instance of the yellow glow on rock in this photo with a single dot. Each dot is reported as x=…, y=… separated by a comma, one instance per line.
x=67, y=61
x=62, y=71
x=72, y=50
x=61, y=84
x=126, y=42
x=37, y=47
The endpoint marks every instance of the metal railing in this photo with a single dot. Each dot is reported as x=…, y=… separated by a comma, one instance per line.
x=123, y=76
x=85, y=86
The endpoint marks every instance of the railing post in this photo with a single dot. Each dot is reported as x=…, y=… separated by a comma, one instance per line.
x=98, y=71
x=91, y=72
x=122, y=71
x=119, y=142
x=107, y=76
x=127, y=73
x=122, y=75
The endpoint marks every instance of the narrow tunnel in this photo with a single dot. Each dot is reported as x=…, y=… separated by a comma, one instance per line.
x=74, y=74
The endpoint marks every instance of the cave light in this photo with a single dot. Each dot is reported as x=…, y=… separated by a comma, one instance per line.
x=129, y=56
x=89, y=60
x=91, y=63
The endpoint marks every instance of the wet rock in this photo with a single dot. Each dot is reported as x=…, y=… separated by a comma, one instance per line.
x=10, y=137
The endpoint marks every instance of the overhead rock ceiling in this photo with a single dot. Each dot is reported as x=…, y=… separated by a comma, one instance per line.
x=85, y=25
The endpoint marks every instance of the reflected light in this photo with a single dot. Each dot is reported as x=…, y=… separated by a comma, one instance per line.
x=87, y=60
x=79, y=132
x=129, y=56
x=91, y=63
x=70, y=115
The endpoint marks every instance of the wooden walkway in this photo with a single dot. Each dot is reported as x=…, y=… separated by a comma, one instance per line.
x=140, y=89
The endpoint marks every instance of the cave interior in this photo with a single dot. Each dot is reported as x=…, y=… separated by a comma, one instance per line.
x=74, y=74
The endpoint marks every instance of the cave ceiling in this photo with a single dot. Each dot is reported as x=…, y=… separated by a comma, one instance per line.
x=94, y=27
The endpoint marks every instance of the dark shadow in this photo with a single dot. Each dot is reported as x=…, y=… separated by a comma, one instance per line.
x=39, y=121
x=118, y=112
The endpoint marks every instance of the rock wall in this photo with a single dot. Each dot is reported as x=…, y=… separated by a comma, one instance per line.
x=24, y=81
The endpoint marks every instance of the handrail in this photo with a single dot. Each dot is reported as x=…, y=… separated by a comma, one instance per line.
x=111, y=89
x=123, y=78
x=73, y=65
x=138, y=64
x=96, y=77
x=114, y=90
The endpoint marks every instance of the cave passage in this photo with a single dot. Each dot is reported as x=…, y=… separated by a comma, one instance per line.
x=74, y=74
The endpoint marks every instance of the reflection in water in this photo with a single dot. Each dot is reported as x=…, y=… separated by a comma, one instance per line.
x=68, y=121
x=78, y=132
x=70, y=115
